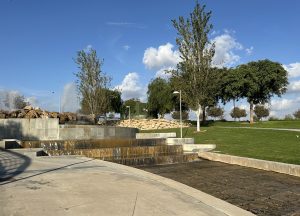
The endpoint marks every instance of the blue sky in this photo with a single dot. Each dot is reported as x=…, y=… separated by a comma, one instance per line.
x=39, y=40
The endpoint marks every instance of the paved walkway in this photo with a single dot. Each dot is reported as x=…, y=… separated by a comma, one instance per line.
x=82, y=186
x=280, y=129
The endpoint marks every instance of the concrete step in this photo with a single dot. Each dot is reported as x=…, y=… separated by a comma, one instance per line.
x=198, y=147
x=31, y=153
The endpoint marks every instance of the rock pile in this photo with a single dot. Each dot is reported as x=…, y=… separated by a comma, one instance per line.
x=31, y=112
x=149, y=124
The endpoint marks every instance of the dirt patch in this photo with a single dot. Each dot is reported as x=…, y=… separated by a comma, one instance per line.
x=258, y=191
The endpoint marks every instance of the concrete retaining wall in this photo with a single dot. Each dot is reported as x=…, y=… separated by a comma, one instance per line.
x=289, y=169
x=82, y=132
x=49, y=129
x=29, y=129
x=154, y=135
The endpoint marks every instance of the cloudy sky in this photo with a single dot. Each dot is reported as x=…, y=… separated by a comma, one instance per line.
x=39, y=40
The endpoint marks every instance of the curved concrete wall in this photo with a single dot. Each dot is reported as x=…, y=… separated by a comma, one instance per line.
x=290, y=169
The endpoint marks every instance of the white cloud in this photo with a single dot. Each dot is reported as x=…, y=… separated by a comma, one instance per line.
x=225, y=45
x=294, y=87
x=281, y=107
x=293, y=69
x=162, y=57
x=215, y=33
x=131, y=87
x=126, y=47
x=7, y=99
x=244, y=106
x=88, y=48
x=284, y=104
x=273, y=114
x=162, y=73
x=32, y=101
x=249, y=50
x=69, y=99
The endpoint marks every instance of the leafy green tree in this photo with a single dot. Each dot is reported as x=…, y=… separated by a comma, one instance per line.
x=232, y=85
x=297, y=114
x=288, y=117
x=92, y=83
x=213, y=89
x=115, y=101
x=262, y=80
x=159, y=97
x=136, y=107
x=237, y=112
x=261, y=111
x=19, y=102
x=176, y=115
x=215, y=112
x=193, y=74
x=14, y=100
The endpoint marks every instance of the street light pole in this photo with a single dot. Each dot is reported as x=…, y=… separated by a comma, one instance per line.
x=129, y=115
x=180, y=112
x=59, y=101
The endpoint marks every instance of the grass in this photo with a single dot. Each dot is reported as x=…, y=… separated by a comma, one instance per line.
x=292, y=124
x=281, y=146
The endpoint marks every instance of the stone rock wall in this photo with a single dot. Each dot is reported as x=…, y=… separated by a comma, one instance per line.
x=29, y=112
x=149, y=124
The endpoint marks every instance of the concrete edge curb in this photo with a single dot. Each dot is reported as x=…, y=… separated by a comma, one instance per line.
x=218, y=204
x=289, y=169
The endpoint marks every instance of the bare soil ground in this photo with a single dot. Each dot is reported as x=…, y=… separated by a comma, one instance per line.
x=258, y=191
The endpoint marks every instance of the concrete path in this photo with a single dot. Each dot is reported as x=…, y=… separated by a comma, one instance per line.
x=82, y=186
x=280, y=129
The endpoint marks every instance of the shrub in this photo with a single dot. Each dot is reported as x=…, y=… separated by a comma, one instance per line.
x=215, y=112
x=273, y=118
x=238, y=113
x=261, y=111
x=176, y=115
x=288, y=117
x=297, y=114
x=255, y=118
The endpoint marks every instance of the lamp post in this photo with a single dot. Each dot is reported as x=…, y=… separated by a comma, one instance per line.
x=179, y=92
x=129, y=114
x=59, y=104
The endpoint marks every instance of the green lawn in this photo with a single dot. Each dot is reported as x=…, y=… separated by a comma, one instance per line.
x=281, y=146
x=293, y=124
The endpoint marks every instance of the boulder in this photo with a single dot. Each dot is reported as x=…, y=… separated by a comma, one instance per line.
x=3, y=114
x=31, y=114
x=28, y=108
x=21, y=114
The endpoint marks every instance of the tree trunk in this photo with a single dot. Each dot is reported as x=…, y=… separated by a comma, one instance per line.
x=198, y=113
x=203, y=115
x=251, y=112
x=234, y=109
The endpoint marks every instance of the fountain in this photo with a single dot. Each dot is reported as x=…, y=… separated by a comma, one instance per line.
x=133, y=152
x=116, y=144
